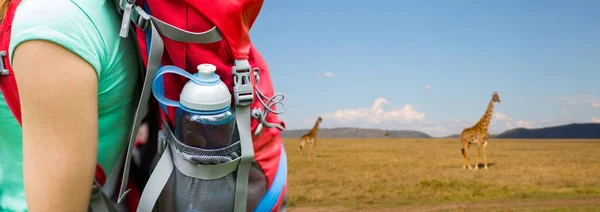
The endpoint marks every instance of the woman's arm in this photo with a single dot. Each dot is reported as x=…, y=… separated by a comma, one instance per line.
x=58, y=92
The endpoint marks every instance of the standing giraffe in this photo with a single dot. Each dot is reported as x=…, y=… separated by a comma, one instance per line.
x=310, y=138
x=479, y=135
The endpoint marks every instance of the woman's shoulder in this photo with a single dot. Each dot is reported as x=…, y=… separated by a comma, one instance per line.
x=89, y=28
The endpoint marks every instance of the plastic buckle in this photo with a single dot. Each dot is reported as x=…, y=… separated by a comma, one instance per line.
x=3, y=70
x=127, y=10
x=127, y=7
x=140, y=17
x=242, y=89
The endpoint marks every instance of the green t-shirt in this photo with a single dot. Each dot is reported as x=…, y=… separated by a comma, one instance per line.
x=90, y=29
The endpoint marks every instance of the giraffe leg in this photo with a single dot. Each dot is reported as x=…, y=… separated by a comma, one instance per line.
x=477, y=155
x=484, y=154
x=312, y=149
x=302, y=147
x=465, y=150
x=314, y=146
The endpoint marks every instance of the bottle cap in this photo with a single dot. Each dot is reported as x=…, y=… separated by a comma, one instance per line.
x=207, y=95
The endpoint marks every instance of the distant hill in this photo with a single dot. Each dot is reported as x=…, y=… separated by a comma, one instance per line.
x=452, y=136
x=346, y=132
x=589, y=130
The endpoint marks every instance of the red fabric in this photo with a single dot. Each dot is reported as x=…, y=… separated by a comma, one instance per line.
x=100, y=175
x=133, y=197
x=233, y=18
x=8, y=85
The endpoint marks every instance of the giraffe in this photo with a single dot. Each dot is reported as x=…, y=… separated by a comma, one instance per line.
x=310, y=138
x=479, y=135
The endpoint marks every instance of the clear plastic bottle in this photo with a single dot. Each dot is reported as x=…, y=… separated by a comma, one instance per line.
x=206, y=119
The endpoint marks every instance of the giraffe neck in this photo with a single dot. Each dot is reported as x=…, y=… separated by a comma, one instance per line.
x=315, y=129
x=484, y=122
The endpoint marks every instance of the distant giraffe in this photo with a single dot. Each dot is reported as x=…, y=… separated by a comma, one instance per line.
x=310, y=138
x=479, y=135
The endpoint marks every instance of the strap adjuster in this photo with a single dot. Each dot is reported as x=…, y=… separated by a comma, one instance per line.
x=3, y=70
x=134, y=13
x=140, y=18
x=242, y=90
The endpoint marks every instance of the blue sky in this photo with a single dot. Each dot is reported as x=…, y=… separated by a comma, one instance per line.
x=433, y=65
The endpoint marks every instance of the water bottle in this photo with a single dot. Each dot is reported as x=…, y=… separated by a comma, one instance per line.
x=204, y=177
x=204, y=117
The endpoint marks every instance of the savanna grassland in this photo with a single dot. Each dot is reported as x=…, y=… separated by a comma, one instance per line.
x=427, y=175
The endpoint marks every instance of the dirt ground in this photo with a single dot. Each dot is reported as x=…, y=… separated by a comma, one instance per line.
x=427, y=175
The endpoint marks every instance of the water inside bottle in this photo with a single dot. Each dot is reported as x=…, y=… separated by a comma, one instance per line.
x=205, y=131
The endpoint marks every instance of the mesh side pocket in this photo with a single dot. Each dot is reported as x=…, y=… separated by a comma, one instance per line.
x=183, y=193
x=188, y=194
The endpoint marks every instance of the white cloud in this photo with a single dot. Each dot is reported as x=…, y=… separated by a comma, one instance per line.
x=499, y=124
x=502, y=122
x=529, y=124
x=384, y=115
x=595, y=119
x=524, y=124
x=329, y=75
x=501, y=117
x=570, y=101
x=428, y=87
x=380, y=113
x=545, y=122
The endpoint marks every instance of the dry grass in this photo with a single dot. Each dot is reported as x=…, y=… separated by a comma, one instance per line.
x=392, y=173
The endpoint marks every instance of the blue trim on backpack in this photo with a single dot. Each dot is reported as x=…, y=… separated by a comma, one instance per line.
x=271, y=198
x=161, y=87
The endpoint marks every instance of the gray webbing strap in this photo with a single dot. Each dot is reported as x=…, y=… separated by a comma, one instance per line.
x=140, y=18
x=241, y=187
x=244, y=95
x=127, y=6
x=154, y=58
x=205, y=172
x=177, y=34
x=157, y=181
x=99, y=202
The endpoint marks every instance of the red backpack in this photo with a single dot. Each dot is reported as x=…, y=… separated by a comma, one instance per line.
x=184, y=34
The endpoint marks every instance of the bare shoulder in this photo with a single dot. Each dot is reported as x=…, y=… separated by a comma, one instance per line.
x=52, y=77
x=47, y=65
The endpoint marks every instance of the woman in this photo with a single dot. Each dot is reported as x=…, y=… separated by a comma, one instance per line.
x=76, y=80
